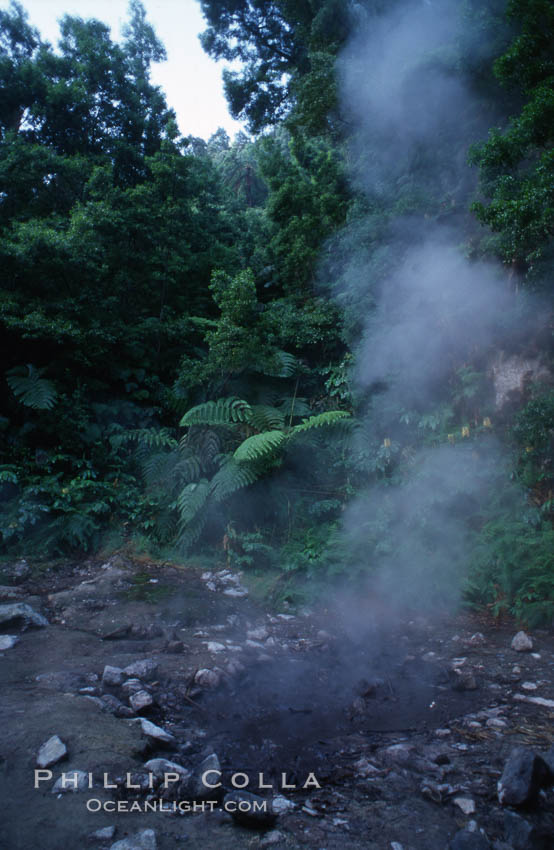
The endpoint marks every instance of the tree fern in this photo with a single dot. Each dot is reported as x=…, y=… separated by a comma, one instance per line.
x=30, y=388
x=225, y=411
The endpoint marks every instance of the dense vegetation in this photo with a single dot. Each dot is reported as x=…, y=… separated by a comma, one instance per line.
x=181, y=318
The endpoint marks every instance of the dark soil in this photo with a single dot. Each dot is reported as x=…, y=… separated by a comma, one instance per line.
x=390, y=731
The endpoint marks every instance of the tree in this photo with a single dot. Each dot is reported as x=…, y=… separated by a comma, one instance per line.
x=517, y=163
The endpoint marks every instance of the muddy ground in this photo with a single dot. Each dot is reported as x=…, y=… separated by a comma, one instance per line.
x=406, y=727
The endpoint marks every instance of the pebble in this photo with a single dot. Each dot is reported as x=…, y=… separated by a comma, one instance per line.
x=144, y=840
x=73, y=781
x=104, y=834
x=466, y=804
x=52, y=751
x=281, y=805
x=496, y=722
x=207, y=678
x=257, y=634
x=214, y=646
x=529, y=686
x=140, y=701
x=522, y=642
x=271, y=838
x=442, y=733
x=238, y=592
x=160, y=766
x=7, y=642
x=155, y=732
x=132, y=686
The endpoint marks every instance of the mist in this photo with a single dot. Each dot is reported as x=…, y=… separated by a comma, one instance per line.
x=428, y=309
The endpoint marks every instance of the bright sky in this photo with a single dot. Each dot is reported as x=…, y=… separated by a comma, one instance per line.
x=190, y=79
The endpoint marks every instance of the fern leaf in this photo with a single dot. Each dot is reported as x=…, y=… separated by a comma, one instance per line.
x=285, y=365
x=191, y=499
x=330, y=417
x=232, y=477
x=266, y=418
x=30, y=389
x=259, y=445
x=225, y=411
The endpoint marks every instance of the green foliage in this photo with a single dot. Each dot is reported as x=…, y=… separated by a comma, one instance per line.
x=30, y=388
x=512, y=568
x=517, y=163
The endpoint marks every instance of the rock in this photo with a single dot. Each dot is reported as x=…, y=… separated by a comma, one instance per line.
x=522, y=642
x=112, y=676
x=207, y=678
x=104, y=834
x=518, y=832
x=214, y=646
x=161, y=766
x=74, y=781
x=145, y=669
x=200, y=788
x=467, y=840
x=249, y=809
x=548, y=759
x=260, y=633
x=132, y=686
x=52, y=751
x=116, y=707
x=21, y=611
x=523, y=776
x=398, y=754
x=478, y=639
x=443, y=733
x=529, y=686
x=8, y=593
x=466, y=804
x=238, y=592
x=496, y=722
x=281, y=805
x=272, y=837
x=143, y=840
x=141, y=701
x=463, y=680
x=7, y=642
x=364, y=768
x=156, y=733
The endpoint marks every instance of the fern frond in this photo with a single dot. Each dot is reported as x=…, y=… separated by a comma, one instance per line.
x=30, y=389
x=298, y=406
x=266, y=418
x=225, y=411
x=330, y=417
x=232, y=477
x=191, y=499
x=151, y=438
x=259, y=445
x=285, y=365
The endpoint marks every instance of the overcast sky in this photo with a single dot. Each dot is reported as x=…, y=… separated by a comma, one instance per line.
x=190, y=79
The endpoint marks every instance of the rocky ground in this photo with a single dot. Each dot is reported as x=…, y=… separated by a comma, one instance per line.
x=121, y=678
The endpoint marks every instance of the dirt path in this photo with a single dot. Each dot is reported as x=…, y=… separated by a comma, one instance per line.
x=406, y=730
